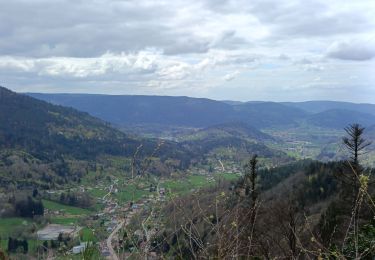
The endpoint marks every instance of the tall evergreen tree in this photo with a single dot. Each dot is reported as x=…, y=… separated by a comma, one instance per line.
x=349, y=176
x=250, y=184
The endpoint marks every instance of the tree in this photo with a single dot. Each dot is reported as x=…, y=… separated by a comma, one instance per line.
x=62, y=197
x=349, y=176
x=284, y=219
x=45, y=246
x=14, y=243
x=11, y=245
x=250, y=182
x=251, y=178
x=355, y=143
x=60, y=237
x=29, y=208
x=25, y=245
x=346, y=214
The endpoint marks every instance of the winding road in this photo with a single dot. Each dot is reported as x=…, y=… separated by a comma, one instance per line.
x=112, y=252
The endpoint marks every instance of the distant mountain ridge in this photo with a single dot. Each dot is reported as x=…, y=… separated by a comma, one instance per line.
x=123, y=110
x=181, y=111
x=321, y=106
x=340, y=118
x=127, y=110
x=269, y=114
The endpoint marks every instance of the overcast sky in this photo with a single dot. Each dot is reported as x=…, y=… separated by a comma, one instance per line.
x=221, y=49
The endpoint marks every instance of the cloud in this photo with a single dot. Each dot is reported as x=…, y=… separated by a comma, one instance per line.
x=352, y=50
x=231, y=76
x=187, y=46
x=176, y=46
x=229, y=40
x=148, y=67
x=313, y=67
x=303, y=61
x=141, y=63
x=283, y=57
x=312, y=18
x=83, y=29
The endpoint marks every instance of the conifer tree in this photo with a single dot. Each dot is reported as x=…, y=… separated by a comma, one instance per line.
x=355, y=144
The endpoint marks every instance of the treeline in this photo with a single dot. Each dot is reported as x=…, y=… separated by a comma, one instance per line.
x=76, y=199
x=14, y=244
x=29, y=208
x=22, y=206
x=320, y=182
x=269, y=177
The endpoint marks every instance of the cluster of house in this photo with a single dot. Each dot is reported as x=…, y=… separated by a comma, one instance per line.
x=110, y=225
x=104, y=249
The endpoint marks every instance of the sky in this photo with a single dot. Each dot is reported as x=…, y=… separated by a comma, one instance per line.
x=242, y=50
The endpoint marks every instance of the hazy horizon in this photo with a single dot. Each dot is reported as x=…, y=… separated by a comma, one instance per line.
x=221, y=100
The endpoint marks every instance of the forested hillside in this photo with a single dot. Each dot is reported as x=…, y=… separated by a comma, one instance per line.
x=46, y=130
x=48, y=145
x=307, y=209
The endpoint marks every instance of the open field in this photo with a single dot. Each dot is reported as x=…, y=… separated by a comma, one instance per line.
x=192, y=182
x=97, y=192
x=51, y=205
x=88, y=235
x=228, y=176
x=131, y=192
x=7, y=225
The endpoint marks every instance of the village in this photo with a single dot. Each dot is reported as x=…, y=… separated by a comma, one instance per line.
x=112, y=218
x=119, y=202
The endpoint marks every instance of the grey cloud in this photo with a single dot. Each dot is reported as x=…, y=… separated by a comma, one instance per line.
x=187, y=46
x=303, y=61
x=229, y=40
x=299, y=18
x=81, y=29
x=86, y=29
x=218, y=5
x=313, y=22
x=283, y=57
x=94, y=45
x=357, y=51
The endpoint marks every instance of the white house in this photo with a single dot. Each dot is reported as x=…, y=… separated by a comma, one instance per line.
x=79, y=249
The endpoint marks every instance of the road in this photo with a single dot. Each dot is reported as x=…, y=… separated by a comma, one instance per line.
x=222, y=165
x=109, y=193
x=112, y=252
